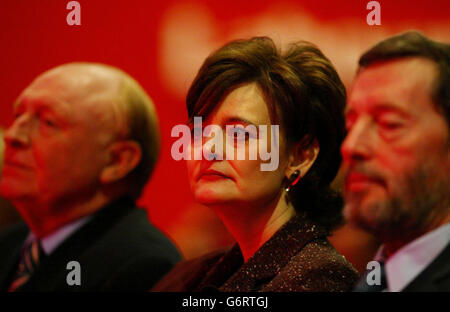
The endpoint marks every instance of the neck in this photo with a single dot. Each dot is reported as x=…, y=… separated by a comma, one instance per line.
x=393, y=245
x=252, y=226
x=58, y=213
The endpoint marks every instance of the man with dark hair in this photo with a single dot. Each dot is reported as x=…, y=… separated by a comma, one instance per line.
x=83, y=142
x=397, y=162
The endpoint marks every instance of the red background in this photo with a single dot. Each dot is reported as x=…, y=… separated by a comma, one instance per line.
x=162, y=44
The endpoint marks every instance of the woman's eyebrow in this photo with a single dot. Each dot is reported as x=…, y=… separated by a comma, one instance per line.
x=238, y=119
x=227, y=120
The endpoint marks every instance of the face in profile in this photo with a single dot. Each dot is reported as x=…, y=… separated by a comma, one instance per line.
x=396, y=154
x=238, y=181
x=55, y=147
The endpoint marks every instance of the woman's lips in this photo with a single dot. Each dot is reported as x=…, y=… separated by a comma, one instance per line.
x=212, y=175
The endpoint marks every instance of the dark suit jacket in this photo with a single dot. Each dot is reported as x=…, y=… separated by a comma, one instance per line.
x=436, y=277
x=118, y=249
x=297, y=258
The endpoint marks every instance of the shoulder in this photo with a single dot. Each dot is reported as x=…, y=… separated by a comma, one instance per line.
x=317, y=267
x=186, y=275
x=132, y=234
x=16, y=233
x=11, y=241
x=123, y=252
x=436, y=276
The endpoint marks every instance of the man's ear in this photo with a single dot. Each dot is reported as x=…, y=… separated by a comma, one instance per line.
x=302, y=156
x=124, y=157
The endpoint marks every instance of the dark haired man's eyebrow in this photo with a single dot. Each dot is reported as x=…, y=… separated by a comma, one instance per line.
x=387, y=107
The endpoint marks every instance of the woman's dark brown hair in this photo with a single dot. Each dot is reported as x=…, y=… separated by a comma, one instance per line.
x=305, y=96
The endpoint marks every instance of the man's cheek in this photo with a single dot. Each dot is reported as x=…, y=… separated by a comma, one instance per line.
x=48, y=160
x=402, y=157
x=393, y=165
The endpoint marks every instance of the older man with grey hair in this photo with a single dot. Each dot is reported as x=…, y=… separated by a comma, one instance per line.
x=83, y=144
x=8, y=215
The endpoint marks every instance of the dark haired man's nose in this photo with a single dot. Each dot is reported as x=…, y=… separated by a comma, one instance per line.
x=357, y=145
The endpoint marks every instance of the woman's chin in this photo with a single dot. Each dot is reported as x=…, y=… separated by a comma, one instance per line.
x=212, y=192
x=211, y=197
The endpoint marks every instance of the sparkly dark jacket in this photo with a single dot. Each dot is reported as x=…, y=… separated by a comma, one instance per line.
x=297, y=258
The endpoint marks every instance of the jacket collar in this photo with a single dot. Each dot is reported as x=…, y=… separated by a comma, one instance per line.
x=435, y=277
x=53, y=267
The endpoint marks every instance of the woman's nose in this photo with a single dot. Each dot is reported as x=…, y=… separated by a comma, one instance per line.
x=209, y=150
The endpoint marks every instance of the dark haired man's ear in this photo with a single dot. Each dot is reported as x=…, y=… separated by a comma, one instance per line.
x=302, y=157
x=125, y=156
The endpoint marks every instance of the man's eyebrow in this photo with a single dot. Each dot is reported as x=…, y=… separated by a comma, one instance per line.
x=377, y=108
x=51, y=104
x=389, y=107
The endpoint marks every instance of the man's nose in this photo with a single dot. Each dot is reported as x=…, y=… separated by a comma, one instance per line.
x=18, y=134
x=358, y=143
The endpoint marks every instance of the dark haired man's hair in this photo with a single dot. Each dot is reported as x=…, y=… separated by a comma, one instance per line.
x=305, y=96
x=415, y=44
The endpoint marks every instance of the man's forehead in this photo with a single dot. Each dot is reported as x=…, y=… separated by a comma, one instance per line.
x=70, y=87
x=391, y=82
x=406, y=72
x=79, y=79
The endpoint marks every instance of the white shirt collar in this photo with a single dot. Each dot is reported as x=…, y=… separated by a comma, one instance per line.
x=407, y=263
x=52, y=241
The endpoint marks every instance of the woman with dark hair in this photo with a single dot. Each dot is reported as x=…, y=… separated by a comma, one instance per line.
x=280, y=218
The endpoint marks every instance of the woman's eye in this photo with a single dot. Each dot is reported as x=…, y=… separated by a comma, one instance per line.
x=196, y=133
x=252, y=134
x=236, y=132
x=240, y=131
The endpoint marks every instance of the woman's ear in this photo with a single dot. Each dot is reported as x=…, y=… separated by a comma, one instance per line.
x=302, y=156
x=124, y=157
